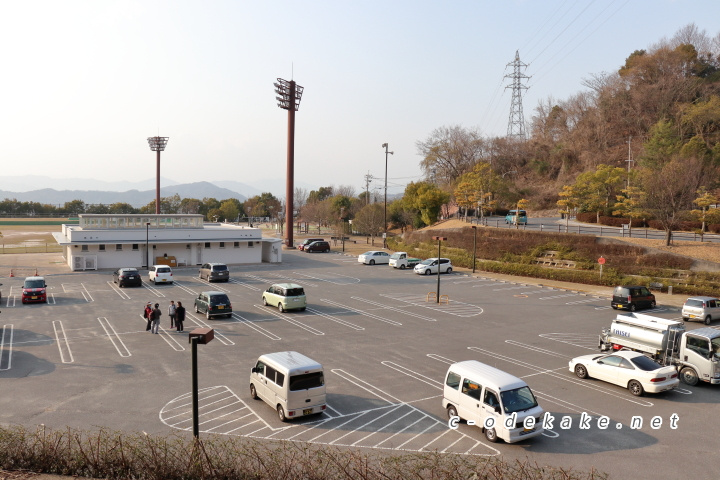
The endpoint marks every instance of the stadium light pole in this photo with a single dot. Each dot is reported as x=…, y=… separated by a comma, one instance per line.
x=385, y=145
x=288, y=97
x=157, y=144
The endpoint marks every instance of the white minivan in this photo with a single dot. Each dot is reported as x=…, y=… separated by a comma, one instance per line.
x=290, y=382
x=502, y=405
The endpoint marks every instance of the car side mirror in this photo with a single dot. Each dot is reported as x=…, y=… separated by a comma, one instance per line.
x=254, y=370
x=600, y=362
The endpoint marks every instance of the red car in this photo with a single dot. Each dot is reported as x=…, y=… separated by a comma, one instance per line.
x=34, y=290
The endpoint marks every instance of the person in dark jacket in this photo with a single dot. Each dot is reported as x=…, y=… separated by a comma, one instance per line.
x=147, y=315
x=179, y=316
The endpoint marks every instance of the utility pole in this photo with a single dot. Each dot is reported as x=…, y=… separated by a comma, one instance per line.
x=629, y=159
x=516, y=121
x=368, y=179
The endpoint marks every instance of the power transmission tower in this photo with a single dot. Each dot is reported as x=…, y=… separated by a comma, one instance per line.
x=516, y=121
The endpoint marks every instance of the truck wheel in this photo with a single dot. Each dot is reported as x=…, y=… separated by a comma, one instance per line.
x=491, y=435
x=581, y=371
x=688, y=376
x=632, y=307
x=253, y=392
x=452, y=411
x=402, y=267
x=281, y=413
x=636, y=388
x=708, y=319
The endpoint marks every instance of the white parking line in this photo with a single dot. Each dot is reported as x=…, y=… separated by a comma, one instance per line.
x=334, y=319
x=223, y=339
x=6, y=341
x=113, y=335
x=459, y=309
x=249, y=324
x=118, y=290
x=60, y=339
x=395, y=309
x=288, y=318
x=376, y=317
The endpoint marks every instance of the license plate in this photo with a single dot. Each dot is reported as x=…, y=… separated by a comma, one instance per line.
x=220, y=307
x=692, y=316
x=529, y=429
x=162, y=279
x=33, y=298
x=307, y=411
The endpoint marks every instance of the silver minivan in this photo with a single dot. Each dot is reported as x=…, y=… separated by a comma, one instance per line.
x=214, y=272
x=704, y=309
x=290, y=382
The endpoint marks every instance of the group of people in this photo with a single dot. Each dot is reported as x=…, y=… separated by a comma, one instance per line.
x=175, y=312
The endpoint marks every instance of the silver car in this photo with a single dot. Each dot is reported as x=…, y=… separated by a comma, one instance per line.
x=704, y=309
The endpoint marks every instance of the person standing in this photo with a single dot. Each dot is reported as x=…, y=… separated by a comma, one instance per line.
x=147, y=315
x=172, y=309
x=180, y=316
x=156, y=313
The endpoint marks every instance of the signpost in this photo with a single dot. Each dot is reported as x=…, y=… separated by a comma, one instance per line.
x=601, y=261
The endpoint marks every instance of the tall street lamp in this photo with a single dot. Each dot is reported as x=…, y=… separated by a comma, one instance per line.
x=157, y=144
x=147, y=245
x=385, y=145
x=288, y=96
x=439, y=239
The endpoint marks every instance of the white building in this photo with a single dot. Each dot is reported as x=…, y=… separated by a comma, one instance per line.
x=114, y=241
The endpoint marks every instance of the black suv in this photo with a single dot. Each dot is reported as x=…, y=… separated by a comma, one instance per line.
x=213, y=304
x=317, y=247
x=631, y=297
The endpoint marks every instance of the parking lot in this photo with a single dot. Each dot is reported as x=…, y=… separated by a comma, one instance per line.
x=85, y=360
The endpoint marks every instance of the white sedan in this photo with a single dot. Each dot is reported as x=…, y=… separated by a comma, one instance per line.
x=632, y=370
x=374, y=256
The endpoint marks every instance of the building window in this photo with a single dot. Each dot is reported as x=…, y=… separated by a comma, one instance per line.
x=187, y=246
x=84, y=248
x=101, y=248
x=135, y=247
x=236, y=244
x=118, y=247
x=250, y=244
x=207, y=244
x=222, y=244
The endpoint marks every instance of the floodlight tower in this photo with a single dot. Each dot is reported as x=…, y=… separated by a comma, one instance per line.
x=288, y=96
x=516, y=121
x=157, y=144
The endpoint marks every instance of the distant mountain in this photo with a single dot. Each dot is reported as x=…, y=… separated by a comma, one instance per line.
x=27, y=183
x=136, y=198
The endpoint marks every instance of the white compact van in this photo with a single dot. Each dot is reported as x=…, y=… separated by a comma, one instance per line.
x=290, y=382
x=502, y=405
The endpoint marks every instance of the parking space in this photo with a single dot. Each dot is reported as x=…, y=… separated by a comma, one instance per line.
x=385, y=349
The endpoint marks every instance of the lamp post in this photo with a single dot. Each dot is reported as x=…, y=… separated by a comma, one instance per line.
x=157, y=144
x=288, y=96
x=385, y=145
x=474, y=227
x=147, y=245
x=199, y=336
x=439, y=239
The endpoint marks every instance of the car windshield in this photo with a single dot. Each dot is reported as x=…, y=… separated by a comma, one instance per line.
x=34, y=283
x=306, y=381
x=367, y=254
x=429, y=261
x=295, y=292
x=395, y=256
x=517, y=400
x=219, y=300
x=644, y=363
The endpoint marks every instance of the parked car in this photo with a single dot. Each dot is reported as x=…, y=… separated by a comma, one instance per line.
x=631, y=370
x=160, y=273
x=374, y=256
x=213, y=304
x=308, y=241
x=632, y=297
x=285, y=296
x=215, y=272
x=127, y=276
x=320, y=246
x=34, y=290
x=516, y=217
x=430, y=266
x=705, y=309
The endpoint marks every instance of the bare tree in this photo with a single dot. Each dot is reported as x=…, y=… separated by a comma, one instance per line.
x=670, y=191
x=449, y=152
x=344, y=190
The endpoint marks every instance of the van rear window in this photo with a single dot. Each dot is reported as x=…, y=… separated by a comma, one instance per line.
x=306, y=381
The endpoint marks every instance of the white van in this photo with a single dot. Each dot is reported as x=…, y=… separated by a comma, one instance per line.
x=499, y=403
x=290, y=382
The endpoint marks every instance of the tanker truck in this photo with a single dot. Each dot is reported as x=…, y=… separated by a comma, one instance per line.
x=695, y=353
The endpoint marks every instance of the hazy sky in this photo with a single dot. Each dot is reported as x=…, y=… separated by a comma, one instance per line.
x=84, y=83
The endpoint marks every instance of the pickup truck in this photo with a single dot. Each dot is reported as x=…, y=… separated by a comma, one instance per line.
x=402, y=261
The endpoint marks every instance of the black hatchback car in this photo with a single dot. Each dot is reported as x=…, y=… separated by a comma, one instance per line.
x=213, y=304
x=317, y=247
x=127, y=277
x=632, y=297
